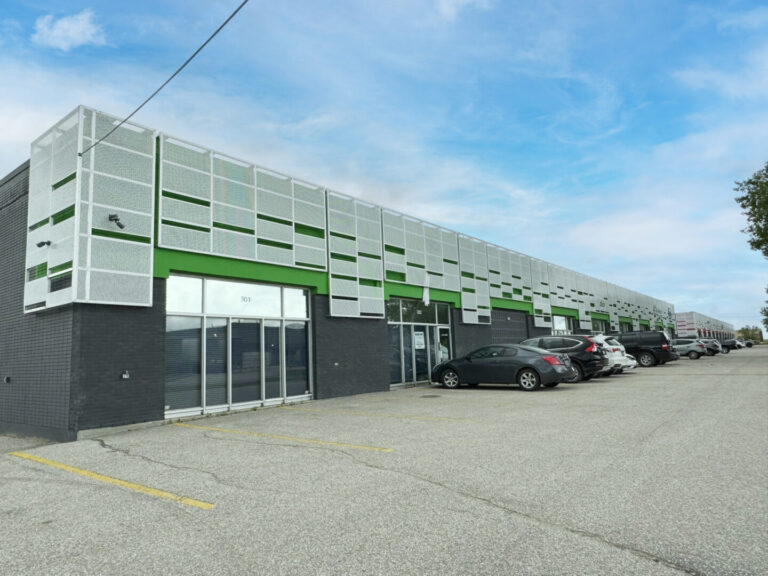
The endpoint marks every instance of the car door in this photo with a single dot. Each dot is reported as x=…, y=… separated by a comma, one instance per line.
x=484, y=365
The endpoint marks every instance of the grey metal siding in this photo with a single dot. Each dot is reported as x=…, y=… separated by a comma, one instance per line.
x=508, y=326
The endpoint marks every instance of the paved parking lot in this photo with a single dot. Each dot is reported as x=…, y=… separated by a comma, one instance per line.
x=664, y=471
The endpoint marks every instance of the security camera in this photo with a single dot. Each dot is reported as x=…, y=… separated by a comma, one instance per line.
x=43, y=243
x=116, y=219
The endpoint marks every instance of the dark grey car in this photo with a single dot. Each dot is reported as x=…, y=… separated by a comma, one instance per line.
x=526, y=366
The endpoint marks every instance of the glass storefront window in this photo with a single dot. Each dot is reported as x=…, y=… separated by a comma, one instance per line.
x=242, y=299
x=295, y=303
x=443, y=314
x=246, y=360
x=183, y=383
x=393, y=310
x=296, y=358
x=184, y=294
x=216, y=355
x=272, y=359
x=395, y=363
x=417, y=311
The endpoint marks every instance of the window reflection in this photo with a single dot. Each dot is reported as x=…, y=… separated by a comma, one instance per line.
x=295, y=303
x=184, y=294
x=215, y=361
x=246, y=360
x=183, y=383
x=296, y=358
x=241, y=299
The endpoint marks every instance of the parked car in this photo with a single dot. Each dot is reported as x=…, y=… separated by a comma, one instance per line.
x=650, y=347
x=630, y=362
x=713, y=346
x=740, y=343
x=728, y=345
x=527, y=366
x=614, y=352
x=691, y=347
x=587, y=358
x=749, y=343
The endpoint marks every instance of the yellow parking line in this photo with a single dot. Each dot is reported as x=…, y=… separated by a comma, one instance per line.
x=289, y=438
x=117, y=482
x=380, y=415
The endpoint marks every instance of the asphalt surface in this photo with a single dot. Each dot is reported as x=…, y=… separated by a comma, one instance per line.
x=661, y=471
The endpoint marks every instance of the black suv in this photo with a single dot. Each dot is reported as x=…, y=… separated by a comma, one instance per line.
x=649, y=347
x=586, y=356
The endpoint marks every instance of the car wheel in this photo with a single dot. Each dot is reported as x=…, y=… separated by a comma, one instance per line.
x=449, y=378
x=579, y=374
x=693, y=355
x=646, y=359
x=620, y=371
x=528, y=379
x=551, y=385
x=726, y=350
x=710, y=352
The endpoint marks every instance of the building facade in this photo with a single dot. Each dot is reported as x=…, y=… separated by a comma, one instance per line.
x=145, y=278
x=701, y=326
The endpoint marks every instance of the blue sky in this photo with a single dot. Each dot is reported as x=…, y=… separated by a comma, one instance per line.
x=603, y=136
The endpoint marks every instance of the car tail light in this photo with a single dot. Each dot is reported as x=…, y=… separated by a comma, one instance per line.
x=554, y=360
x=700, y=345
x=665, y=346
x=592, y=346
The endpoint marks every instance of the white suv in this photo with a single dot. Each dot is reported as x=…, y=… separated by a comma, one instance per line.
x=614, y=351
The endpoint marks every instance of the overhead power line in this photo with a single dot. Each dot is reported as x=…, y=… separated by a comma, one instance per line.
x=203, y=45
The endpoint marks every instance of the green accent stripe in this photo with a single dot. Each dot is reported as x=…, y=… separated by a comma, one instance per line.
x=63, y=181
x=167, y=261
x=367, y=282
x=394, y=249
x=498, y=303
x=468, y=290
x=337, y=256
x=309, y=230
x=60, y=267
x=343, y=277
x=626, y=320
x=467, y=275
x=186, y=226
x=120, y=236
x=198, y=201
x=517, y=291
x=273, y=219
x=37, y=272
x=64, y=275
x=365, y=255
x=345, y=236
x=396, y=276
x=63, y=215
x=420, y=266
x=223, y=226
x=283, y=245
x=600, y=316
x=560, y=311
x=40, y=224
x=450, y=261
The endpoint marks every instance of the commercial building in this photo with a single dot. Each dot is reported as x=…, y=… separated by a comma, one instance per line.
x=701, y=326
x=145, y=278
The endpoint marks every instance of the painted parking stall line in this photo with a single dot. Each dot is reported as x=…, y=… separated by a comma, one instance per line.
x=117, y=482
x=380, y=415
x=287, y=438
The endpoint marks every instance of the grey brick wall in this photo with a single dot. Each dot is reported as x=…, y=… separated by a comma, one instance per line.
x=35, y=349
x=106, y=341
x=533, y=331
x=351, y=355
x=467, y=337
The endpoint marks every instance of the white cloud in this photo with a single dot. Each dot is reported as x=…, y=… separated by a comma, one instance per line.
x=450, y=9
x=68, y=32
x=751, y=20
x=749, y=81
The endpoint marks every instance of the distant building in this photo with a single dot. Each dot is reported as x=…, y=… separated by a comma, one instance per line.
x=701, y=326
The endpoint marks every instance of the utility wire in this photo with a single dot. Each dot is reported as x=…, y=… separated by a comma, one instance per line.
x=211, y=37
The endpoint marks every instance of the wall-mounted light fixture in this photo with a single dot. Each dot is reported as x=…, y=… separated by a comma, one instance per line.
x=43, y=243
x=116, y=219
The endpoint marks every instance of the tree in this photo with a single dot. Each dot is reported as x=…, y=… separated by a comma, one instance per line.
x=764, y=312
x=751, y=333
x=754, y=201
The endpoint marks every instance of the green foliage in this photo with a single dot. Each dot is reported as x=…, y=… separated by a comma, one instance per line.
x=751, y=333
x=764, y=312
x=754, y=200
